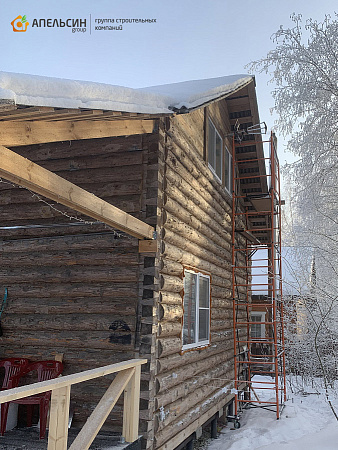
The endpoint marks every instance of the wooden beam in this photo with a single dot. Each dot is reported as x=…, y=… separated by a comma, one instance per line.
x=24, y=172
x=14, y=134
x=146, y=246
x=102, y=410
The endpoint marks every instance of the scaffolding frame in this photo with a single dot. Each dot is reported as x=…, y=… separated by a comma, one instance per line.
x=256, y=228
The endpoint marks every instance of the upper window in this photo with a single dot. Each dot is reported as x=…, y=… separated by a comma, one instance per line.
x=215, y=150
x=219, y=158
x=196, y=304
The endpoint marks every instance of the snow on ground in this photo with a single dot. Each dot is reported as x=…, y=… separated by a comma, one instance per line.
x=306, y=423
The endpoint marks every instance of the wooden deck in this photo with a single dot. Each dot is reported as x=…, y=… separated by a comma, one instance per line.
x=28, y=439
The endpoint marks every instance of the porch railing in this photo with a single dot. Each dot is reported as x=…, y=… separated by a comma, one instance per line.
x=127, y=380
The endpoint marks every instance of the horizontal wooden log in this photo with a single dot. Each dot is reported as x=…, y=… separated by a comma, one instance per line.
x=55, y=230
x=174, y=361
x=220, y=375
x=222, y=314
x=167, y=381
x=68, y=339
x=166, y=329
x=88, y=161
x=191, y=254
x=178, y=409
x=75, y=274
x=225, y=302
x=67, y=322
x=176, y=433
x=217, y=325
x=168, y=346
x=189, y=234
x=175, y=212
x=21, y=214
x=197, y=205
x=201, y=393
x=205, y=177
x=73, y=290
x=181, y=177
x=170, y=298
x=170, y=267
x=124, y=306
x=192, y=125
x=71, y=258
x=106, y=241
x=25, y=173
x=103, y=175
x=28, y=133
x=93, y=147
x=170, y=313
x=170, y=283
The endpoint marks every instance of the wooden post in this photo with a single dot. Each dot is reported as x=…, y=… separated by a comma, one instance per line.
x=102, y=410
x=59, y=416
x=131, y=407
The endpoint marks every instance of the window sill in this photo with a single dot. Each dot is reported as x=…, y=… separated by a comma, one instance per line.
x=197, y=346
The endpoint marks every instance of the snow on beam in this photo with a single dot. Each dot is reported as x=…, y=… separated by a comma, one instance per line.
x=26, y=173
x=28, y=133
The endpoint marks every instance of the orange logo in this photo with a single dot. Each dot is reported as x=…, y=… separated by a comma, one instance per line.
x=20, y=23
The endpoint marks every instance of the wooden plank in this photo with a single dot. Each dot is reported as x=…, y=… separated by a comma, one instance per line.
x=57, y=383
x=24, y=172
x=23, y=112
x=131, y=407
x=59, y=416
x=102, y=410
x=14, y=134
x=147, y=246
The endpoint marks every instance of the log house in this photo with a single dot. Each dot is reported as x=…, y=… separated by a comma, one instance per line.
x=99, y=293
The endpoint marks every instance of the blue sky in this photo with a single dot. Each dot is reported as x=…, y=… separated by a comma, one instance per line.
x=191, y=39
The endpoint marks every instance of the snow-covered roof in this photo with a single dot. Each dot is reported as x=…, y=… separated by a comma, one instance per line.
x=35, y=90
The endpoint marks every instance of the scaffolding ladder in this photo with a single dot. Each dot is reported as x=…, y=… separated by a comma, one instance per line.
x=257, y=276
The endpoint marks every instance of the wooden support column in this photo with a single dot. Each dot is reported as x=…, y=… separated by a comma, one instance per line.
x=131, y=407
x=26, y=173
x=102, y=410
x=59, y=416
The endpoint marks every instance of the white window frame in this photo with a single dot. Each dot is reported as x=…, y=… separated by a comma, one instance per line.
x=228, y=155
x=197, y=343
x=211, y=167
x=261, y=316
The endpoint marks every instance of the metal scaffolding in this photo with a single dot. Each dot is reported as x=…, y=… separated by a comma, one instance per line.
x=257, y=275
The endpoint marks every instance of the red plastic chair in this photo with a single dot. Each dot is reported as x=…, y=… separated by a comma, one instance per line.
x=14, y=369
x=46, y=370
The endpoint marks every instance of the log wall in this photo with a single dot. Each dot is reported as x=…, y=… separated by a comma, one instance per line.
x=75, y=289
x=195, y=228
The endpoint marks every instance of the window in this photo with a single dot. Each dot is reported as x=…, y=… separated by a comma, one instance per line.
x=196, y=304
x=215, y=151
x=257, y=329
x=219, y=156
